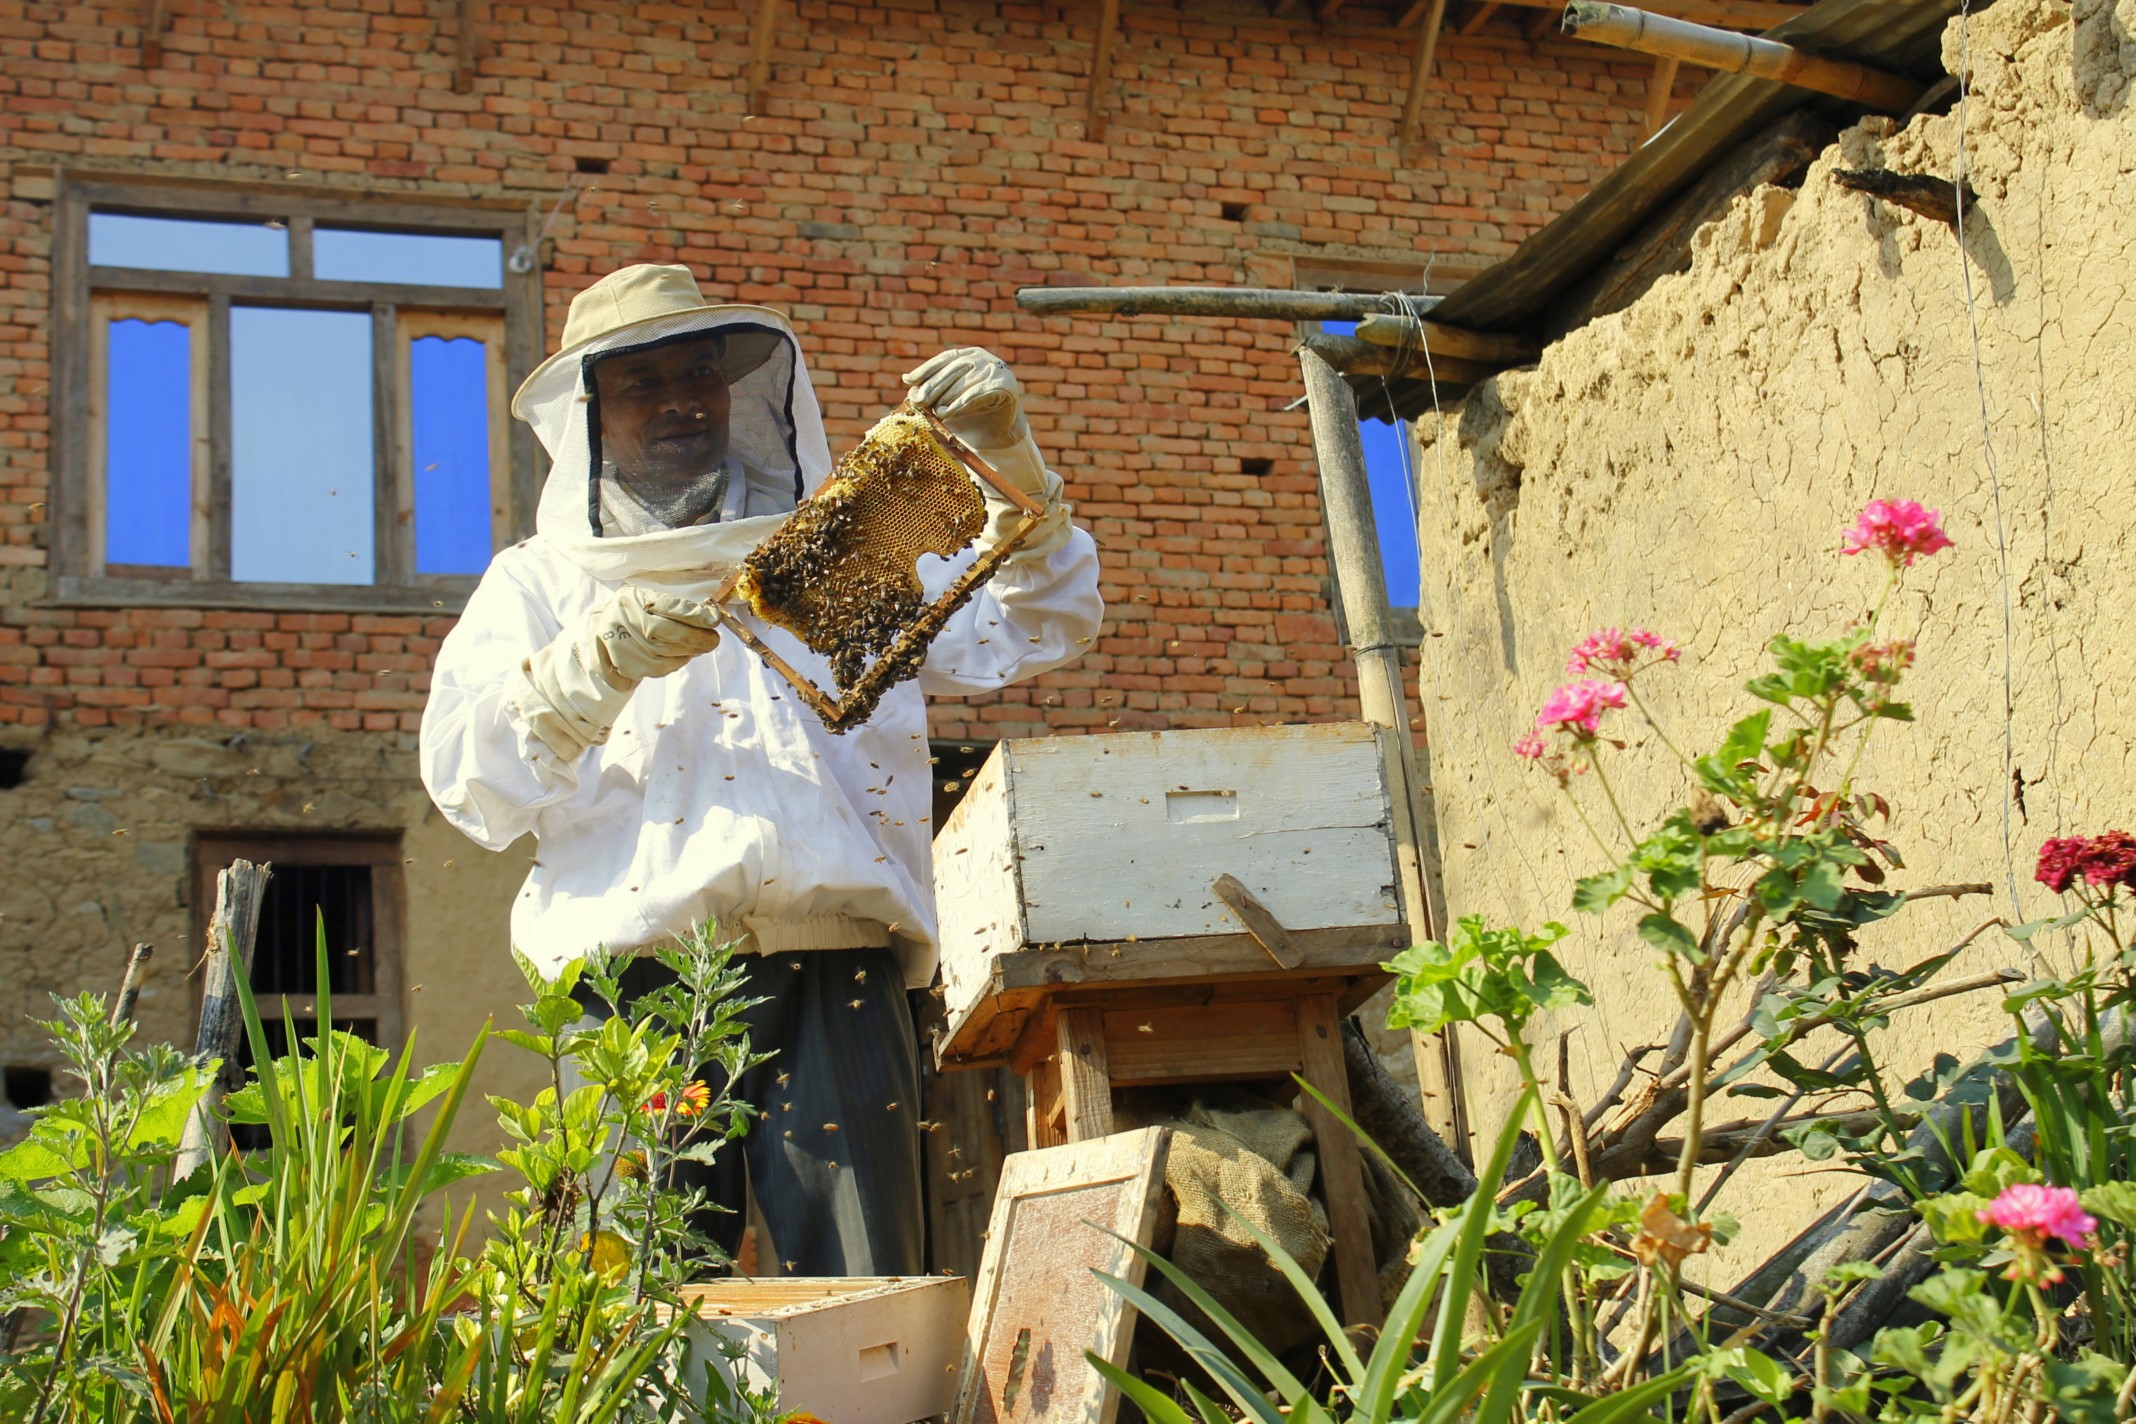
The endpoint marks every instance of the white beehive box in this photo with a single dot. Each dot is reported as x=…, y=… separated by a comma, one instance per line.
x=870, y=1350
x=1073, y=850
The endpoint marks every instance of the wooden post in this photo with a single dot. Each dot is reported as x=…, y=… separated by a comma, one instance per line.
x=1419, y=75
x=767, y=22
x=1361, y=589
x=1480, y=17
x=1659, y=91
x=122, y=1011
x=1731, y=53
x=463, y=50
x=238, y=893
x=1342, y=1169
x=1101, y=70
x=156, y=15
x=1238, y=303
x=1086, y=1073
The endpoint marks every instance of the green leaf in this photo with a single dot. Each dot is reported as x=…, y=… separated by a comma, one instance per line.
x=2022, y=933
x=1664, y=932
x=2112, y=1201
x=1592, y=894
x=1720, y=772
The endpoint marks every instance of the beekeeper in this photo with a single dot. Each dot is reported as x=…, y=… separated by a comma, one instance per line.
x=672, y=778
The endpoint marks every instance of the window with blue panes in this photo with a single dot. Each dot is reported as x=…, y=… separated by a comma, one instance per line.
x=1388, y=471
x=288, y=402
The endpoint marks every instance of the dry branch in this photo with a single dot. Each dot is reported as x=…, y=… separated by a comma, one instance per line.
x=1931, y=197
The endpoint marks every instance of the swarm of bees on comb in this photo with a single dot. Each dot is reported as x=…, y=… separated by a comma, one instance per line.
x=841, y=574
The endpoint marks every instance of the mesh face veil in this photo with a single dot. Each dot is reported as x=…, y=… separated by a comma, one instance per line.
x=676, y=443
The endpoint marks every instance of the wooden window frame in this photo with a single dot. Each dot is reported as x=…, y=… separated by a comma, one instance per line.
x=381, y=851
x=508, y=317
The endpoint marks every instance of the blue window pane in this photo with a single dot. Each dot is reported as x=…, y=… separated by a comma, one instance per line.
x=301, y=482
x=449, y=421
x=1387, y=472
x=148, y=444
x=413, y=258
x=188, y=245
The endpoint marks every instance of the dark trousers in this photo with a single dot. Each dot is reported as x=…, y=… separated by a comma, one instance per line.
x=833, y=1152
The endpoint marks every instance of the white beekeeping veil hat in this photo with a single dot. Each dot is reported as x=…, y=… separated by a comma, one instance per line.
x=715, y=498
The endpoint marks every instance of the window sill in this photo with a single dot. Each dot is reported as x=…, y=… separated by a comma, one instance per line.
x=444, y=598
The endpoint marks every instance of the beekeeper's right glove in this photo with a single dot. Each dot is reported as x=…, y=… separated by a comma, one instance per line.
x=571, y=692
x=978, y=398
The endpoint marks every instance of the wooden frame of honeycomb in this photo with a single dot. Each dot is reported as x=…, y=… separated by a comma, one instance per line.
x=813, y=576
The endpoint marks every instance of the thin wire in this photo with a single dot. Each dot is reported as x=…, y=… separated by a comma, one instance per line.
x=1987, y=441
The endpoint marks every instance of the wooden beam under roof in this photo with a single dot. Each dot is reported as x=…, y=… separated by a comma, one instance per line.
x=1412, y=15
x=1479, y=17
x=472, y=13
x=1662, y=86
x=1326, y=11
x=156, y=15
x=760, y=36
x=1101, y=70
x=1419, y=76
x=1541, y=23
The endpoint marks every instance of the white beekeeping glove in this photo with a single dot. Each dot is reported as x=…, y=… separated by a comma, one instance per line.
x=976, y=395
x=573, y=690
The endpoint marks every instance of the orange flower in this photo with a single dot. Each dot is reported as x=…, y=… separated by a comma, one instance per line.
x=693, y=1099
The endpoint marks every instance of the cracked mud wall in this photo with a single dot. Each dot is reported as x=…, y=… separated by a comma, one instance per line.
x=1688, y=464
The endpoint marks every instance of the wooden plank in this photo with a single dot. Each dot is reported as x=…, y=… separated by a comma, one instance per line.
x=466, y=43
x=1041, y=1038
x=760, y=38
x=288, y=291
x=1342, y=1180
x=1659, y=90
x=1663, y=246
x=1085, y=1073
x=155, y=18
x=434, y=598
x=216, y=569
x=300, y=248
x=1210, y=1043
x=1043, y=1122
x=1233, y=303
x=1266, y=929
x=1419, y=76
x=1479, y=17
x=1037, y=1304
x=1101, y=71
x=236, y=921
x=1540, y=25
x=393, y=496
x=1327, y=11
x=1399, y=329
x=227, y=197
x=1410, y=17
x=68, y=476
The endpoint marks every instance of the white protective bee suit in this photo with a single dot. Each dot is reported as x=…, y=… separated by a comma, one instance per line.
x=716, y=794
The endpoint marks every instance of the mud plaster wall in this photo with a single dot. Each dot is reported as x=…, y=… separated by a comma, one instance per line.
x=98, y=841
x=1688, y=464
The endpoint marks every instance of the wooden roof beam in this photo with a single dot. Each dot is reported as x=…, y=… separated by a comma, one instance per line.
x=1238, y=303
x=155, y=18
x=1100, y=70
x=1731, y=53
x=1659, y=90
x=1479, y=17
x=472, y=14
x=1327, y=10
x=1419, y=76
x=760, y=36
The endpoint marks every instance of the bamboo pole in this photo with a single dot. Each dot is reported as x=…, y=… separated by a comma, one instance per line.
x=236, y=923
x=1273, y=304
x=1733, y=53
x=1361, y=590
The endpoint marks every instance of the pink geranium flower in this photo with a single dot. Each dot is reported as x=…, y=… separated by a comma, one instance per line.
x=1529, y=748
x=2037, y=1212
x=1900, y=528
x=1608, y=650
x=1577, y=707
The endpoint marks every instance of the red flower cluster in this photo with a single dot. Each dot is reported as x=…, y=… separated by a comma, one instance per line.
x=1900, y=529
x=2103, y=860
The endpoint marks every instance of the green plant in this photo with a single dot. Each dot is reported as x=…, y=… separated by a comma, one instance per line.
x=1501, y=1375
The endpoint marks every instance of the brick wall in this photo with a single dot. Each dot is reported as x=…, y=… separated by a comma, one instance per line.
x=916, y=162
